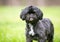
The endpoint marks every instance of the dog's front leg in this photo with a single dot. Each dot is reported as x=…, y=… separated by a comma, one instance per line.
x=28, y=40
x=41, y=40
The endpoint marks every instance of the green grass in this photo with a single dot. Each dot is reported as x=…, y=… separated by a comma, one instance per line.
x=12, y=27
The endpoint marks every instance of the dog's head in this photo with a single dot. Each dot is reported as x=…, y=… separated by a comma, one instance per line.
x=31, y=13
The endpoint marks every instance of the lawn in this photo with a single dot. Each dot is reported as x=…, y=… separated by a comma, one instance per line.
x=12, y=28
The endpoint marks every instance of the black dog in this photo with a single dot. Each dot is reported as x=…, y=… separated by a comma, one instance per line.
x=37, y=28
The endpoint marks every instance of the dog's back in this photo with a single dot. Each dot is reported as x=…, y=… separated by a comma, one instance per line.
x=47, y=24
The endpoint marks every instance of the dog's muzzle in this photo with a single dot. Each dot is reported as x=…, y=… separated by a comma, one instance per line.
x=31, y=19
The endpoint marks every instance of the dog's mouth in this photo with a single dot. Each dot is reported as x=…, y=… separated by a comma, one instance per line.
x=31, y=19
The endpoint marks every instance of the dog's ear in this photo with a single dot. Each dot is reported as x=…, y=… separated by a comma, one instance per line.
x=23, y=14
x=39, y=13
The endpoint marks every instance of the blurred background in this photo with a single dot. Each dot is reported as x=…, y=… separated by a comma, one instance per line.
x=12, y=28
x=30, y=2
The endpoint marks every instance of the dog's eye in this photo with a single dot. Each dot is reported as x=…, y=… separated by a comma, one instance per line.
x=35, y=15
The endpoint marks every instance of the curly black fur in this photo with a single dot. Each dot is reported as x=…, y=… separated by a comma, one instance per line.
x=42, y=29
x=31, y=9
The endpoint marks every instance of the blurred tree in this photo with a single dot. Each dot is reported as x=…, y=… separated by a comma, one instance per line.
x=30, y=2
x=52, y=2
x=3, y=2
